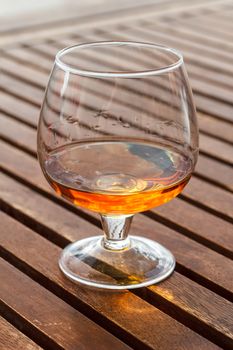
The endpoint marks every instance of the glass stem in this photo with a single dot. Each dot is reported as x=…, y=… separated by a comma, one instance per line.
x=116, y=230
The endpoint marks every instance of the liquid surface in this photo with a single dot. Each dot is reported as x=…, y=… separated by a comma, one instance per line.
x=117, y=177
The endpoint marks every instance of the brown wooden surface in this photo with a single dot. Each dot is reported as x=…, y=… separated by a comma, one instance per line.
x=12, y=338
x=192, y=309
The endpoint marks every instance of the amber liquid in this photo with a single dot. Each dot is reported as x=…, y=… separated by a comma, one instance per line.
x=117, y=177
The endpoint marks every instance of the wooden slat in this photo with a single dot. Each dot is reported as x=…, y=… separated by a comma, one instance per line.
x=11, y=338
x=211, y=127
x=224, y=171
x=216, y=148
x=23, y=91
x=226, y=16
x=46, y=54
x=9, y=131
x=216, y=199
x=205, y=92
x=194, y=70
x=30, y=57
x=223, y=28
x=201, y=36
x=27, y=74
x=29, y=114
x=204, y=104
x=208, y=168
x=105, y=19
x=214, y=232
x=194, y=45
x=82, y=11
x=30, y=22
x=18, y=109
x=213, y=197
x=24, y=55
x=32, y=208
x=208, y=88
x=211, y=146
x=188, y=218
x=191, y=255
x=203, y=29
x=194, y=300
x=192, y=305
x=168, y=294
x=45, y=313
x=206, y=23
x=212, y=107
x=206, y=123
x=61, y=218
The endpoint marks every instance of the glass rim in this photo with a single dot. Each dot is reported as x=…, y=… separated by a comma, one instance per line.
x=136, y=74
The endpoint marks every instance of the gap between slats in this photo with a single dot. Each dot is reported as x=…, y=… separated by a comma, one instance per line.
x=160, y=303
x=26, y=178
x=61, y=241
x=155, y=302
x=61, y=316
x=195, y=202
x=200, y=175
x=11, y=338
x=153, y=215
x=185, y=197
x=205, y=207
x=45, y=55
x=28, y=329
x=203, y=152
x=50, y=56
x=145, y=293
x=125, y=34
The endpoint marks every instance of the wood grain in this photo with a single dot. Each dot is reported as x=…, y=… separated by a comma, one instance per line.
x=216, y=200
x=74, y=24
x=190, y=310
x=197, y=73
x=19, y=89
x=195, y=31
x=27, y=139
x=42, y=78
x=51, y=317
x=18, y=109
x=208, y=195
x=211, y=127
x=199, y=87
x=11, y=338
x=208, y=168
x=209, y=146
x=214, y=232
x=140, y=317
x=38, y=211
x=29, y=56
x=62, y=226
x=204, y=104
x=194, y=45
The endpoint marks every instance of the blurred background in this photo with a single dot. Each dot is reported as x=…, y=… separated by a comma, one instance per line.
x=30, y=19
x=16, y=14
x=31, y=32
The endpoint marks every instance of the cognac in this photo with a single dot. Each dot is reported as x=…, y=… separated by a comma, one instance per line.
x=116, y=177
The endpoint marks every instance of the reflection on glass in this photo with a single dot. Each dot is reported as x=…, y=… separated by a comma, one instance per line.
x=117, y=135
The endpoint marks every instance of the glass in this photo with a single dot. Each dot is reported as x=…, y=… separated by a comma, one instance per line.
x=117, y=135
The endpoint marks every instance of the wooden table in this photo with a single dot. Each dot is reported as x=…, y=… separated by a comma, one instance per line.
x=192, y=309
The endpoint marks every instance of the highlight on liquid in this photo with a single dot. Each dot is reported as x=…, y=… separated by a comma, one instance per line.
x=116, y=177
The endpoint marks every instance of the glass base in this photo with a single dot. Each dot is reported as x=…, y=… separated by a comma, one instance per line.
x=143, y=263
